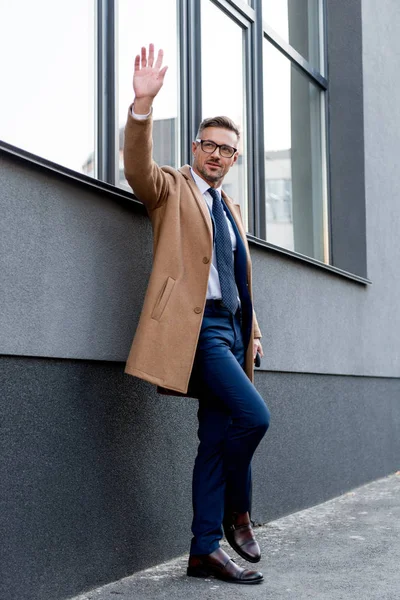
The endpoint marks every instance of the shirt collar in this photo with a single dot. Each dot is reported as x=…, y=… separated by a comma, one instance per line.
x=203, y=185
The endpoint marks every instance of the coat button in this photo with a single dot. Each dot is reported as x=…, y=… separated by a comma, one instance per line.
x=206, y=260
x=197, y=310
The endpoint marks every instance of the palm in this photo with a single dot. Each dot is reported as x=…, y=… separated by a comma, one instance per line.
x=147, y=82
x=148, y=77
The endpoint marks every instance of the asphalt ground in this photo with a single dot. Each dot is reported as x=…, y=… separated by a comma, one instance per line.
x=347, y=548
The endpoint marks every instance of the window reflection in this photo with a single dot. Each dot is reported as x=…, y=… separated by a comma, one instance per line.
x=47, y=75
x=297, y=22
x=293, y=157
x=138, y=24
x=223, y=87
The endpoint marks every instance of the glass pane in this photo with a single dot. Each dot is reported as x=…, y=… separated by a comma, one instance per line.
x=293, y=157
x=297, y=22
x=222, y=55
x=138, y=26
x=47, y=75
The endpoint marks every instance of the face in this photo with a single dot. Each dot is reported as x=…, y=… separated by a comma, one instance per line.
x=213, y=167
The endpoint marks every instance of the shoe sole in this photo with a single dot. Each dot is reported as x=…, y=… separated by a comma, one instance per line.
x=201, y=572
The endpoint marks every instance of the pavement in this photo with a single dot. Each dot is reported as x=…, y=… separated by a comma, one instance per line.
x=345, y=549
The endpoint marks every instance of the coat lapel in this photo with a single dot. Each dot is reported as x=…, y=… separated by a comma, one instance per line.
x=199, y=198
x=234, y=209
x=236, y=214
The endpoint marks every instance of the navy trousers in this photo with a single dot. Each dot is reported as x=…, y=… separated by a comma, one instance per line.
x=233, y=419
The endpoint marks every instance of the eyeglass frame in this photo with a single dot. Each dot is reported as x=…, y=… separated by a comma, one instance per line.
x=216, y=146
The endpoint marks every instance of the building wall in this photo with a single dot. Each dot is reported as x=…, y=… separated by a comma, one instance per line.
x=95, y=466
x=382, y=163
x=77, y=266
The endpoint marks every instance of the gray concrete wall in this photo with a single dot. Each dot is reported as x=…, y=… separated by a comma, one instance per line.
x=381, y=52
x=75, y=266
x=95, y=467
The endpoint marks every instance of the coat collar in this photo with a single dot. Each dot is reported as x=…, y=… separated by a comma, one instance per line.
x=234, y=208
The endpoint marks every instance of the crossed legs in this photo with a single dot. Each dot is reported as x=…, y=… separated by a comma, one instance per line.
x=233, y=419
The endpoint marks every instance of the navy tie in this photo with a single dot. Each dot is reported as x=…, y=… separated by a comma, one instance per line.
x=224, y=254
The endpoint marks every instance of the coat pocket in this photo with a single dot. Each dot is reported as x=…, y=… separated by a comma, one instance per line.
x=163, y=299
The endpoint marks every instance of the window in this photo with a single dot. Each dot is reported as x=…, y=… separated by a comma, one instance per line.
x=297, y=22
x=293, y=169
x=137, y=26
x=294, y=128
x=261, y=63
x=224, y=87
x=47, y=104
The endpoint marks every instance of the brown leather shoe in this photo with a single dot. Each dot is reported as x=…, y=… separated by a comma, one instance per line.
x=239, y=534
x=221, y=566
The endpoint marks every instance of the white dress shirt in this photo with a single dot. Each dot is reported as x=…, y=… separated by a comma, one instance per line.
x=213, y=287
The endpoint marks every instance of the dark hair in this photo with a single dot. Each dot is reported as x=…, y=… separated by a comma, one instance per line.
x=222, y=122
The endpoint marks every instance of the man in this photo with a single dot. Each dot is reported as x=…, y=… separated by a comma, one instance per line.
x=198, y=334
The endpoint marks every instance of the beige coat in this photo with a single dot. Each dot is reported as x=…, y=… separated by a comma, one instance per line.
x=164, y=346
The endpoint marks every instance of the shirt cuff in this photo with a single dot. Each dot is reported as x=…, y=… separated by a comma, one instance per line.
x=140, y=117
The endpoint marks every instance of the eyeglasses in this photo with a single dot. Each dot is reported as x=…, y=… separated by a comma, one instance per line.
x=209, y=147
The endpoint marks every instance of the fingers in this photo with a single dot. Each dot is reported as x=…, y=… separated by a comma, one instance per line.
x=144, y=58
x=151, y=54
x=141, y=61
x=160, y=57
x=257, y=347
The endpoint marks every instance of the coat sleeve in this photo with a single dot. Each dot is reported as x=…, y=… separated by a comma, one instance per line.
x=148, y=181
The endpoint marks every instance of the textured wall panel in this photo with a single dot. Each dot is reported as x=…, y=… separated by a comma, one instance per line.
x=95, y=467
x=74, y=267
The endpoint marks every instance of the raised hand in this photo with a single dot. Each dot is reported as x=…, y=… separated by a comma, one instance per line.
x=148, y=78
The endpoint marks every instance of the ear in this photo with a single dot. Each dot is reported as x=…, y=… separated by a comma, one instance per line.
x=194, y=147
x=235, y=157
